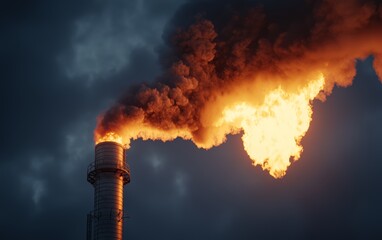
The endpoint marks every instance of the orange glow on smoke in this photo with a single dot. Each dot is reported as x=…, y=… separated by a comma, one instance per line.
x=254, y=75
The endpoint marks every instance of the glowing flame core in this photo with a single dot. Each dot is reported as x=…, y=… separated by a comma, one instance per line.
x=273, y=131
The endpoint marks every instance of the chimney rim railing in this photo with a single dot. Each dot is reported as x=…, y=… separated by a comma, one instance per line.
x=95, y=168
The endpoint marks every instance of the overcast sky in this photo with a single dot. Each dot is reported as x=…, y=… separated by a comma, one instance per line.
x=63, y=63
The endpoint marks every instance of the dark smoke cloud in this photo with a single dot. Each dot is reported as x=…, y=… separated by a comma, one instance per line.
x=245, y=50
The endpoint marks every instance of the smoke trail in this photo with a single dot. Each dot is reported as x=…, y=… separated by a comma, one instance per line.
x=252, y=74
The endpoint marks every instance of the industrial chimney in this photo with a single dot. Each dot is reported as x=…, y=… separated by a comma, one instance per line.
x=108, y=174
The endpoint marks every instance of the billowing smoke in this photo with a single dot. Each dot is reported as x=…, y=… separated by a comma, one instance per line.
x=252, y=74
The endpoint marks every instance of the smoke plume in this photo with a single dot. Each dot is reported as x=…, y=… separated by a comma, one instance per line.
x=252, y=73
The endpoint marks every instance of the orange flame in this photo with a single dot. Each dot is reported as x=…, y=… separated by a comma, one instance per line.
x=272, y=131
x=109, y=137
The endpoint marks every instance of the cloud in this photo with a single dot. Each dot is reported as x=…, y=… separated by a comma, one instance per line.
x=103, y=41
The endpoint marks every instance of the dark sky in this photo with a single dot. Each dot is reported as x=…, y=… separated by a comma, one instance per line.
x=65, y=62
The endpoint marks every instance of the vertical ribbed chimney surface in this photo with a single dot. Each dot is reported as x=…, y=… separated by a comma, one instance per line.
x=108, y=174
